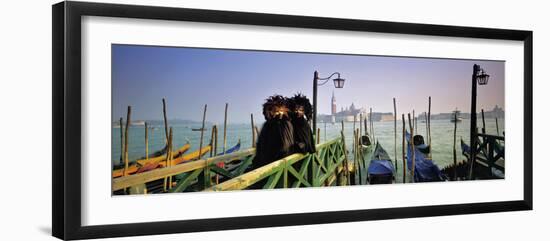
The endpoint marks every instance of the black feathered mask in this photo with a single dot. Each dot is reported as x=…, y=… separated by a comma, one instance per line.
x=300, y=106
x=276, y=107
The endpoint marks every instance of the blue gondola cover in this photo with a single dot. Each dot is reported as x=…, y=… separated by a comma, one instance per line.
x=425, y=170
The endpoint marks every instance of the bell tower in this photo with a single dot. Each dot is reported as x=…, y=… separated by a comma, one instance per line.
x=333, y=109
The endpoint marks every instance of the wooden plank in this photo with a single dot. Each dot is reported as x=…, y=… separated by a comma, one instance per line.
x=247, y=162
x=273, y=180
x=340, y=161
x=249, y=178
x=184, y=183
x=297, y=175
x=303, y=170
x=221, y=171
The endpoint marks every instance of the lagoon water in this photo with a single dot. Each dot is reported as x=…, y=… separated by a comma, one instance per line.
x=441, y=130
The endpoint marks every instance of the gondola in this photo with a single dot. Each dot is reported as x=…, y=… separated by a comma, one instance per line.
x=175, y=154
x=157, y=157
x=381, y=169
x=161, y=161
x=425, y=170
x=365, y=141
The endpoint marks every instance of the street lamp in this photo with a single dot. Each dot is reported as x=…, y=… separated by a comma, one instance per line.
x=338, y=83
x=478, y=77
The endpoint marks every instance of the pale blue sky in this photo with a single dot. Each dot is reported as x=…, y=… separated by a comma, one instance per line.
x=190, y=77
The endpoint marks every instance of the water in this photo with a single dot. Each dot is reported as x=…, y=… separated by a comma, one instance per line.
x=442, y=138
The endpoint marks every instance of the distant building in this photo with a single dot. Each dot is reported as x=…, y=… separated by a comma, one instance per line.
x=348, y=114
x=496, y=112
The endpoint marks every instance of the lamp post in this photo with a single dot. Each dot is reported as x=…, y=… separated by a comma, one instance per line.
x=338, y=83
x=478, y=77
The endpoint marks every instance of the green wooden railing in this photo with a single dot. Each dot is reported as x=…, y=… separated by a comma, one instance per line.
x=297, y=170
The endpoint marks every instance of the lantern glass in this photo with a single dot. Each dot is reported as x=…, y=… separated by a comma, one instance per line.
x=339, y=83
x=483, y=79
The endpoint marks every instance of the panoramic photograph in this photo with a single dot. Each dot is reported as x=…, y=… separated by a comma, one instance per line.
x=205, y=120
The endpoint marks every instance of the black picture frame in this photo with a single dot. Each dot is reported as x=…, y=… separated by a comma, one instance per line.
x=67, y=137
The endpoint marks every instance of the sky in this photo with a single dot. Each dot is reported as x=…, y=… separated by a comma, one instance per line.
x=189, y=78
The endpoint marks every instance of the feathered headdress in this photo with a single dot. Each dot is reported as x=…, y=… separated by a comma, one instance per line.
x=276, y=106
x=300, y=101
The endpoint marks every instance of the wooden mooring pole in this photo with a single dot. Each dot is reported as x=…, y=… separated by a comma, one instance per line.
x=371, y=125
x=121, y=141
x=146, y=142
x=253, y=130
x=318, y=135
x=496, y=122
x=214, y=141
x=126, y=137
x=225, y=128
x=165, y=120
x=429, y=137
x=426, y=120
x=202, y=131
x=360, y=126
x=454, y=149
x=365, y=124
x=403, y=150
x=411, y=142
x=168, y=179
x=395, y=132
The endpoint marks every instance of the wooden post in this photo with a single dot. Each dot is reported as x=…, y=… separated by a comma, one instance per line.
x=126, y=140
x=454, y=149
x=366, y=129
x=225, y=128
x=414, y=122
x=168, y=180
x=411, y=141
x=214, y=141
x=169, y=156
x=121, y=141
x=403, y=149
x=354, y=149
x=354, y=120
x=165, y=120
x=429, y=137
x=354, y=137
x=360, y=126
x=202, y=131
x=483, y=120
x=496, y=121
x=345, y=169
x=205, y=176
x=215, y=147
x=426, y=119
x=395, y=132
x=252, y=126
x=371, y=126
x=146, y=142
x=358, y=155
x=318, y=135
